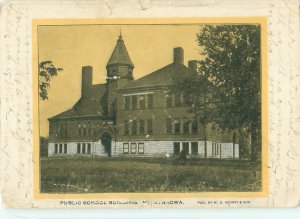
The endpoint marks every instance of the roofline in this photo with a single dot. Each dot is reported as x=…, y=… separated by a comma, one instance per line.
x=76, y=117
x=151, y=87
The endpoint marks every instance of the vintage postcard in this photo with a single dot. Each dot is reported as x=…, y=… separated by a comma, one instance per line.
x=150, y=111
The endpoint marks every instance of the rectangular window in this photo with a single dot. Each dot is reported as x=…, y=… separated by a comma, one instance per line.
x=185, y=147
x=56, y=148
x=133, y=148
x=150, y=101
x=141, y=148
x=142, y=127
x=83, y=148
x=134, y=102
x=134, y=127
x=142, y=102
x=78, y=148
x=169, y=125
x=126, y=102
x=89, y=148
x=60, y=148
x=65, y=148
x=126, y=127
x=125, y=148
x=213, y=149
x=149, y=126
x=177, y=126
x=169, y=100
x=194, y=147
x=176, y=148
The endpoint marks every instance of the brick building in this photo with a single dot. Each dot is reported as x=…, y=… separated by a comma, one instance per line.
x=127, y=117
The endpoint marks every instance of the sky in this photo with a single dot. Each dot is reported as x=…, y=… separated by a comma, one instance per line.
x=150, y=47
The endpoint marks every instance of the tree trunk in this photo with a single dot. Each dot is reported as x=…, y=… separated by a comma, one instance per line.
x=254, y=142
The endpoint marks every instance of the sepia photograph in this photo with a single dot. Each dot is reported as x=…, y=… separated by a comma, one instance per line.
x=150, y=108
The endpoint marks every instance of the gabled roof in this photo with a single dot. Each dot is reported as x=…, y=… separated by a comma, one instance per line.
x=120, y=55
x=94, y=105
x=162, y=77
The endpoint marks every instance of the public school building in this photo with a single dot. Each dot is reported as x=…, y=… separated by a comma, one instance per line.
x=136, y=118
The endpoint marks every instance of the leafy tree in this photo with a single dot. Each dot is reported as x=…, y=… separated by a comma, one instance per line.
x=228, y=79
x=47, y=70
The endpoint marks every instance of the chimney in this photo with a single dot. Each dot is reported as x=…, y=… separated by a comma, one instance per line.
x=192, y=64
x=87, y=81
x=178, y=55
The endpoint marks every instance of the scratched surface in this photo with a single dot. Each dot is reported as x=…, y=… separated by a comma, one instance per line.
x=16, y=86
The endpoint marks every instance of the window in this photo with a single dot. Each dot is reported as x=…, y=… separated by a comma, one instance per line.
x=66, y=130
x=84, y=130
x=195, y=126
x=134, y=102
x=176, y=148
x=78, y=148
x=134, y=127
x=141, y=148
x=150, y=101
x=177, y=126
x=188, y=99
x=55, y=148
x=89, y=129
x=126, y=127
x=215, y=148
x=142, y=127
x=65, y=148
x=185, y=147
x=60, y=148
x=168, y=101
x=126, y=102
x=89, y=148
x=142, y=101
x=79, y=130
x=61, y=131
x=185, y=126
x=194, y=148
x=149, y=126
x=178, y=99
x=169, y=125
x=125, y=148
x=83, y=148
x=133, y=148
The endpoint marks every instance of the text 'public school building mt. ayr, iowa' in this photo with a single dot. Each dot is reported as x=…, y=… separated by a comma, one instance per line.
x=136, y=118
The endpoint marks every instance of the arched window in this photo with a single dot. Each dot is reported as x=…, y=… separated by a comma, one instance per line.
x=79, y=130
x=168, y=100
x=84, y=130
x=185, y=126
x=177, y=99
x=142, y=127
x=169, y=125
x=177, y=126
x=126, y=127
x=134, y=127
x=142, y=101
x=195, y=126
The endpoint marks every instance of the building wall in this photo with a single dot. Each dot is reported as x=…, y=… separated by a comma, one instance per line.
x=166, y=149
x=97, y=149
x=71, y=130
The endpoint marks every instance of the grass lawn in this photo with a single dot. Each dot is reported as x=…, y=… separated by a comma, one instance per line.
x=100, y=175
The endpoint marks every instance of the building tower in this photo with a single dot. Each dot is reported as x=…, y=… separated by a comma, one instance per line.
x=119, y=73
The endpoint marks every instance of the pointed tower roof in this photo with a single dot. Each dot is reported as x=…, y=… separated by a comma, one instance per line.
x=120, y=55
